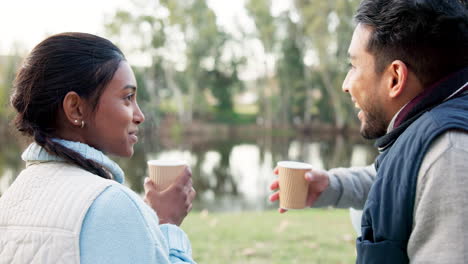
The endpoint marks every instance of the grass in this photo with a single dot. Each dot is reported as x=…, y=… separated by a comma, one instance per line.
x=305, y=236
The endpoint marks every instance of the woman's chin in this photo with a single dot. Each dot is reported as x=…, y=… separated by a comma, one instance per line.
x=128, y=153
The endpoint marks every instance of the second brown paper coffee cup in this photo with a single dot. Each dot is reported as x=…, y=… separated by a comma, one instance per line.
x=164, y=172
x=293, y=185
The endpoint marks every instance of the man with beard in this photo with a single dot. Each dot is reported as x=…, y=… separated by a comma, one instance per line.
x=408, y=77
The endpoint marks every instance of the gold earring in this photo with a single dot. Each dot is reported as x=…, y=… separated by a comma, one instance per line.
x=82, y=123
x=76, y=121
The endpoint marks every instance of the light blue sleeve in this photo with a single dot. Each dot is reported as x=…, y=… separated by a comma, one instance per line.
x=120, y=228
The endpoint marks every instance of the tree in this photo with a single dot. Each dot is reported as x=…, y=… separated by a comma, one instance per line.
x=291, y=74
x=186, y=47
x=327, y=29
x=8, y=67
x=259, y=10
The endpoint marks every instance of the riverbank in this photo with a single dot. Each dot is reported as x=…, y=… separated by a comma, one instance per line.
x=171, y=130
x=303, y=236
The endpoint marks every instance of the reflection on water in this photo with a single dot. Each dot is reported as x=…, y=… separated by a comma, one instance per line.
x=230, y=173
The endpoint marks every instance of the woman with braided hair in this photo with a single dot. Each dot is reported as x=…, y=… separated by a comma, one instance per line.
x=75, y=96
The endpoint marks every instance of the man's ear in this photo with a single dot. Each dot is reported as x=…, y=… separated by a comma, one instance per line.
x=397, y=73
x=74, y=108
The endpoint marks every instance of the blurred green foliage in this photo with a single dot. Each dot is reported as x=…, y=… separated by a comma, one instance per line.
x=196, y=63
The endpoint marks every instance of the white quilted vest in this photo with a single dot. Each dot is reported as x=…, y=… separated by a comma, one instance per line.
x=42, y=212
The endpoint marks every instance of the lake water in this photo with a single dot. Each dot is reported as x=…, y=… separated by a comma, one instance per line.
x=230, y=172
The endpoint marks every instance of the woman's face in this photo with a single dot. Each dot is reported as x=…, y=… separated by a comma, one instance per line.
x=114, y=126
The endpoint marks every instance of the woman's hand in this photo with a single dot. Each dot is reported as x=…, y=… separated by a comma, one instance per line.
x=174, y=203
x=318, y=182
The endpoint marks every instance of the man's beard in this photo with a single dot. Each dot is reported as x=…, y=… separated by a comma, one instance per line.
x=374, y=124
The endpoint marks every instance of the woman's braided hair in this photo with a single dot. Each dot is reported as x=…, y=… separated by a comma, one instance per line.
x=78, y=62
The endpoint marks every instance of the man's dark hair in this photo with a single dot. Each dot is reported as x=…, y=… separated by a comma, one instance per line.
x=429, y=36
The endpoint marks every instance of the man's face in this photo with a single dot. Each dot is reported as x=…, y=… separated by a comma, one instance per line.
x=365, y=86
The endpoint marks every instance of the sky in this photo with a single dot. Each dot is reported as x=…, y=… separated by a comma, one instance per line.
x=24, y=23
x=27, y=22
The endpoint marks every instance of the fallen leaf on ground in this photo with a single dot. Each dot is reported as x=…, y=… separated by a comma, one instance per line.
x=249, y=251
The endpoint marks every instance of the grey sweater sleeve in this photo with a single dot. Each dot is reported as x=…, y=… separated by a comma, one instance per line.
x=348, y=187
x=440, y=219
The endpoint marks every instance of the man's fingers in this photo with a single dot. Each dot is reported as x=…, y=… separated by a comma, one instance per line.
x=274, y=197
x=310, y=176
x=274, y=185
x=276, y=171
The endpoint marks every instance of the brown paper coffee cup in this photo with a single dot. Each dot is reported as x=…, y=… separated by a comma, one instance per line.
x=293, y=185
x=164, y=172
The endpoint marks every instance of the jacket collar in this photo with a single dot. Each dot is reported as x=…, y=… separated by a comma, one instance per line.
x=36, y=153
x=448, y=88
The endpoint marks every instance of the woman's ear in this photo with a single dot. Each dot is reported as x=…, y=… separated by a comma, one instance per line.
x=398, y=74
x=74, y=108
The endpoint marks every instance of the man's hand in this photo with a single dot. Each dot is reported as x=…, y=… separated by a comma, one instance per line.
x=174, y=203
x=318, y=182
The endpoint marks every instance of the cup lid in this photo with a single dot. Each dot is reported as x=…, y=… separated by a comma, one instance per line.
x=163, y=162
x=294, y=165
